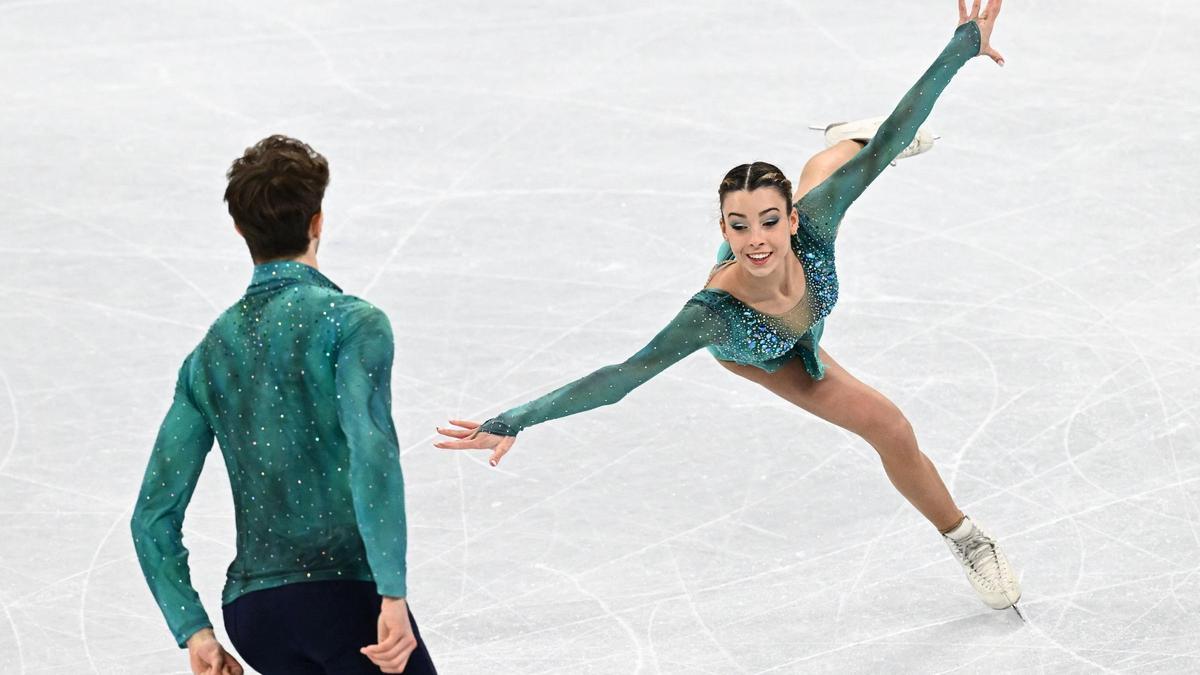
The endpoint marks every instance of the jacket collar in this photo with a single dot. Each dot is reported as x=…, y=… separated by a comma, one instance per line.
x=275, y=275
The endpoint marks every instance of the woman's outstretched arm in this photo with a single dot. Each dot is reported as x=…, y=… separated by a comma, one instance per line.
x=695, y=327
x=826, y=203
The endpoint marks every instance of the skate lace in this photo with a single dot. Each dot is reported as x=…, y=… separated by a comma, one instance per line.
x=978, y=552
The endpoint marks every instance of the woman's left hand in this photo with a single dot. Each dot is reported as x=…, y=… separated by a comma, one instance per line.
x=986, y=22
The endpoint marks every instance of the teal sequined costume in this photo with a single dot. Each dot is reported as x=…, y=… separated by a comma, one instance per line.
x=734, y=331
x=294, y=383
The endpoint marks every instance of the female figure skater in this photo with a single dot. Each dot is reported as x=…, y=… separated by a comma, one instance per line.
x=762, y=311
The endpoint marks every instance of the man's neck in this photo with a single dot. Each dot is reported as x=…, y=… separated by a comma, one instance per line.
x=308, y=259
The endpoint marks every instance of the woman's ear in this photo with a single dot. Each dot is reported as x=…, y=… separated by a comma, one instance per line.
x=723, y=235
x=795, y=218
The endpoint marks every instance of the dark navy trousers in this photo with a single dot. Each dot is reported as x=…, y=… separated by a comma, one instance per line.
x=313, y=628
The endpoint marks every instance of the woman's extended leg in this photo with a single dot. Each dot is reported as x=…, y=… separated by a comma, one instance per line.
x=842, y=399
x=822, y=165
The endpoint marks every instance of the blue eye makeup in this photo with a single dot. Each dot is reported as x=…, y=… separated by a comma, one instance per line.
x=742, y=226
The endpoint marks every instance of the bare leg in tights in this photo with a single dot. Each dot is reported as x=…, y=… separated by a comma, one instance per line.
x=845, y=401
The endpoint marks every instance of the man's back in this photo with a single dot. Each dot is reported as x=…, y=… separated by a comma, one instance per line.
x=293, y=382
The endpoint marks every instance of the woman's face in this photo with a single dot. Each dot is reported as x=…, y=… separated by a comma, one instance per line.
x=758, y=228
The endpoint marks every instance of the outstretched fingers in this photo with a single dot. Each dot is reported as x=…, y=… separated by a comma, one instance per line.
x=469, y=437
x=465, y=444
x=455, y=433
x=473, y=440
x=987, y=23
x=466, y=429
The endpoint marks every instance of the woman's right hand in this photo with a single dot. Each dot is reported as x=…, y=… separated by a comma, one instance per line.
x=471, y=438
x=986, y=22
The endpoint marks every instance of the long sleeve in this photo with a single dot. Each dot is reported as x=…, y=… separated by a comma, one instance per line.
x=364, y=407
x=184, y=440
x=824, y=205
x=696, y=326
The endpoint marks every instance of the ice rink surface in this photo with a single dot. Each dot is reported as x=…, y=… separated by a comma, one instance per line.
x=529, y=190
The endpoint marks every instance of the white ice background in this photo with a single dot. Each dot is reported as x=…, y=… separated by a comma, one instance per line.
x=528, y=189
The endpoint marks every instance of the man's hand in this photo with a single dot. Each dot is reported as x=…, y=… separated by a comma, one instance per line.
x=396, y=639
x=208, y=657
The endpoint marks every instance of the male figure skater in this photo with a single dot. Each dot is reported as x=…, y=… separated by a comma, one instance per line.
x=293, y=381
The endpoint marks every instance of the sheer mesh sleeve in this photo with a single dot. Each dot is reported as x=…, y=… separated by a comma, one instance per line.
x=184, y=440
x=824, y=205
x=364, y=408
x=695, y=327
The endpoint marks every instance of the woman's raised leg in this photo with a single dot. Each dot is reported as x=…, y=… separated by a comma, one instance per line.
x=822, y=165
x=842, y=399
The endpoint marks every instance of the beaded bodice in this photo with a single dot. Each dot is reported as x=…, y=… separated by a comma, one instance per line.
x=767, y=340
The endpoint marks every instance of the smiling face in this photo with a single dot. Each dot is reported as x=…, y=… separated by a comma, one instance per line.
x=758, y=227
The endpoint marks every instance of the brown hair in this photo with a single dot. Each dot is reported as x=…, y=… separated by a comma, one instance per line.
x=275, y=188
x=753, y=176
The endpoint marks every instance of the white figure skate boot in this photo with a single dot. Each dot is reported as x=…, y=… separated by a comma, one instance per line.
x=986, y=566
x=864, y=130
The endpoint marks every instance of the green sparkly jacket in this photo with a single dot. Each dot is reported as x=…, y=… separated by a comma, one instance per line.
x=732, y=330
x=294, y=383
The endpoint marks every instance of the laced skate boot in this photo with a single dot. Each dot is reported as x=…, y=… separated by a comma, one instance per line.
x=986, y=566
x=864, y=130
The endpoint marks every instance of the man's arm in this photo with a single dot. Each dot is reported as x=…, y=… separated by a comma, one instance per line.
x=364, y=406
x=184, y=440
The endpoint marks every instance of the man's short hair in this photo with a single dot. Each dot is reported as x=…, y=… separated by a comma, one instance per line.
x=274, y=191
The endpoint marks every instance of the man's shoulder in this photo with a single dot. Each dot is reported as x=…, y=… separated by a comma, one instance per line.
x=364, y=320
x=356, y=309
x=309, y=307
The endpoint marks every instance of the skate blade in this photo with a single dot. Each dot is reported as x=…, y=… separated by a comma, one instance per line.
x=827, y=127
x=1018, y=611
x=1013, y=605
